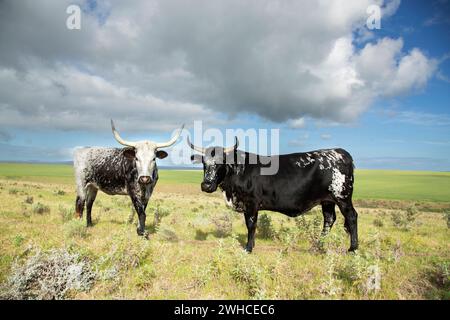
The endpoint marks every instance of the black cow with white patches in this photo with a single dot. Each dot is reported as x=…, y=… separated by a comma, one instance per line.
x=303, y=180
x=128, y=171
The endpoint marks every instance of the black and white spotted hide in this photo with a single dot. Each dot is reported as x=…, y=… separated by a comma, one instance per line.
x=115, y=171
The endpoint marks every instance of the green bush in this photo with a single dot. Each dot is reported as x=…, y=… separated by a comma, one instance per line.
x=40, y=208
x=438, y=274
x=288, y=238
x=405, y=219
x=311, y=230
x=168, y=235
x=378, y=223
x=361, y=271
x=18, y=240
x=127, y=251
x=265, y=227
x=75, y=228
x=246, y=271
x=144, y=276
x=223, y=225
x=160, y=212
x=66, y=214
x=59, y=192
x=29, y=200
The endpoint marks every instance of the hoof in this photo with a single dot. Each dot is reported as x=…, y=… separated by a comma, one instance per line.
x=143, y=233
x=89, y=224
x=353, y=249
x=248, y=249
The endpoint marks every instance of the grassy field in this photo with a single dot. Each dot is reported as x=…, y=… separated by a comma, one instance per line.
x=195, y=251
x=369, y=184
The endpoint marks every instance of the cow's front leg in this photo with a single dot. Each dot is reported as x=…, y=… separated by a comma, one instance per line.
x=251, y=219
x=140, y=209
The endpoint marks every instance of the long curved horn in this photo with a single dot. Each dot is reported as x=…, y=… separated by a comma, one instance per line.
x=119, y=139
x=171, y=141
x=198, y=149
x=229, y=149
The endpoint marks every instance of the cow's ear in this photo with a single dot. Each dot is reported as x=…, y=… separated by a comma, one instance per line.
x=196, y=158
x=129, y=153
x=161, y=154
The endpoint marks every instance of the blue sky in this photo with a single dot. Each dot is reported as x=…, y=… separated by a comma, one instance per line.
x=152, y=66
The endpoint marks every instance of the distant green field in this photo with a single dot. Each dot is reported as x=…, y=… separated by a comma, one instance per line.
x=369, y=184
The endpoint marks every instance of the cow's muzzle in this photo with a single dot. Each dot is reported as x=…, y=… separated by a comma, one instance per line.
x=208, y=187
x=145, y=179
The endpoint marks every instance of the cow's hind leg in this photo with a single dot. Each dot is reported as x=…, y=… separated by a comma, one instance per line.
x=351, y=221
x=79, y=206
x=90, y=198
x=329, y=216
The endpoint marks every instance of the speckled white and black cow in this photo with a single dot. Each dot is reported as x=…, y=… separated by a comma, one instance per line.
x=118, y=171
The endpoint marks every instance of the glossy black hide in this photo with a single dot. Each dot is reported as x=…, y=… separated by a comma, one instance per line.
x=303, y=181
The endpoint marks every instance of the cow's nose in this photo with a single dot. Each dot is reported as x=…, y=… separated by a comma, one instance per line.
x=206, y=187
x=144, y=179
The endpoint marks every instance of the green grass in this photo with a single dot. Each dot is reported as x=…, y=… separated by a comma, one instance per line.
x=59, y=173
x=402, y=185
x=180, y=176
x=369, y=184
x=188, y=256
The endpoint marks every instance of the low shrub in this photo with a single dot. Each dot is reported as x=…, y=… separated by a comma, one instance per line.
x=361, y=271
x=59, y=192
x=160, y=212
x=311, y=230
x=200, y=235
x=223, y=225
x=75, y=228
x=66, y=214
x=377, y=222
x=405, y=219
x=29, y=200
x=265, y=227
x=144, y=276
x=40, y=208
x=168, y=235
x=48, y=276
x=127, y=251
x=288, y=238
x=247, y=271
x=18, y=240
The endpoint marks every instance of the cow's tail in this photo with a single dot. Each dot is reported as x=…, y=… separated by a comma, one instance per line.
x=348, y=160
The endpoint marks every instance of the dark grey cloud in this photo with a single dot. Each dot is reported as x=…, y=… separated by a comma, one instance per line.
x=158, y=63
